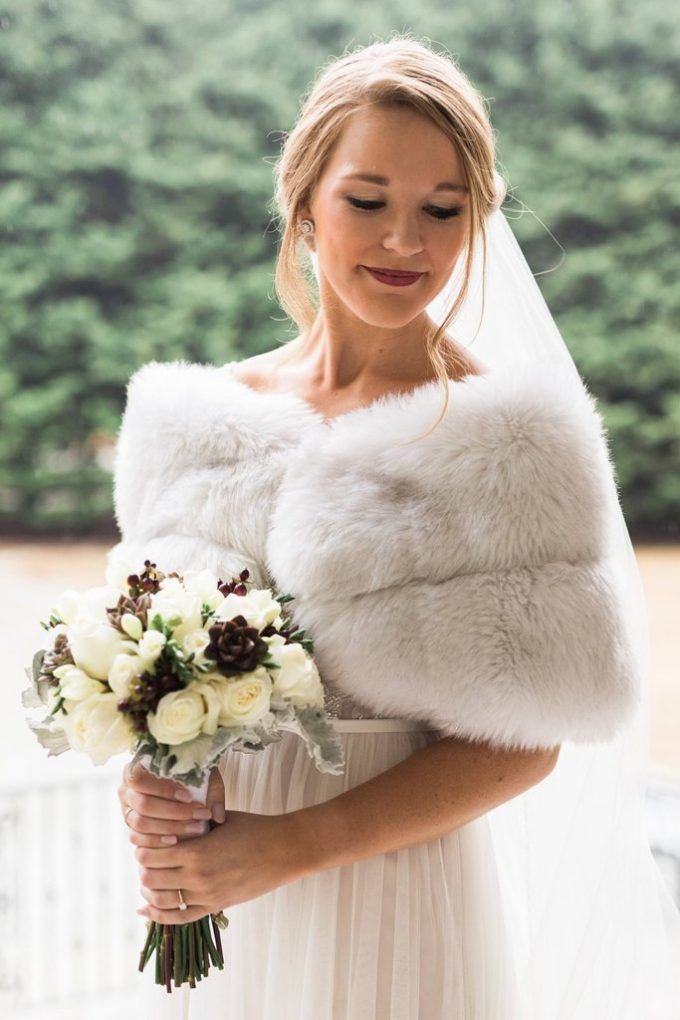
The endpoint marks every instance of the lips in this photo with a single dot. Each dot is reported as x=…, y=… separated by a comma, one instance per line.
x=393, y=277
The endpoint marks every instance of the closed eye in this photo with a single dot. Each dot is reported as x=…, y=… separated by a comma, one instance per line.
x=436, y=211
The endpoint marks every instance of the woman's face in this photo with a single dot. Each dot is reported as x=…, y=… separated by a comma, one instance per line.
x=412, y=219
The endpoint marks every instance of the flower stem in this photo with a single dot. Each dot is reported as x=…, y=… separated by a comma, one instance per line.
x=192, y=956
x=218, y=940
x=167, y=960
x=148, y=948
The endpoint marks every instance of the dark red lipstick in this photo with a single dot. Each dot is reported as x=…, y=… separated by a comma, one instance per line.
x=393, y=277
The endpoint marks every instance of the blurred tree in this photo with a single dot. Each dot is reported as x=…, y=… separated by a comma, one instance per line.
x=136, y=147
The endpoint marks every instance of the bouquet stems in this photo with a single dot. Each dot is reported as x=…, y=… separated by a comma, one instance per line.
x=184, y=952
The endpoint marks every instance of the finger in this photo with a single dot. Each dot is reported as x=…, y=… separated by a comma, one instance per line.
x=215, y=796
x=165, y=857
x=193, y=913
x=151, y=839
x=142, y=780
x=163, y=827
x=158, y=880
x=159, y=807
x=167, y=899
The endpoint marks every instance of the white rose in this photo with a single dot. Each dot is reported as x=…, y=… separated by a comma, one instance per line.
x=119, y=568
x=124, y=669
x=171, y=600
x=95, y=601
x=75, y=684
x=297, y=678
x=68, y=605
x=211, y=692
x=196, y=642
x=258, y=607
x=94, y=645
x=245, y=700
x=204, y=584
x=92, y=603
x=179, y=716
x=151, y=645
x=98, y=728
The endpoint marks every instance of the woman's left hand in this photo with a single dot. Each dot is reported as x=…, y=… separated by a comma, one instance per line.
x=243, y=857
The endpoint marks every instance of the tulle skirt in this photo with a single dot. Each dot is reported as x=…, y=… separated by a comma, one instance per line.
x=414, y=934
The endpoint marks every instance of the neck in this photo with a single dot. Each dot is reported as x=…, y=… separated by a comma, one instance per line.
x=330, y=359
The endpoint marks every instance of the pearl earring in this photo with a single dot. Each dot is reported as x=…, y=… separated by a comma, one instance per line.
x=306, y=227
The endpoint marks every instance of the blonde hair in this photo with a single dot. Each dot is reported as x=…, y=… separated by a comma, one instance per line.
x=400, y=71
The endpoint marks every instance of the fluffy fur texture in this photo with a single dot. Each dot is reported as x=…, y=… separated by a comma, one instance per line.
x=467, y=580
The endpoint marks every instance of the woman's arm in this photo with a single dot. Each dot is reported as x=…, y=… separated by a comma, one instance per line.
x=434, y=791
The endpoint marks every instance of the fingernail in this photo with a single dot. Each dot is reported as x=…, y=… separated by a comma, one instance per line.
x=168, y=839
x=219, y=814
x=183, y=795
x=203, y=813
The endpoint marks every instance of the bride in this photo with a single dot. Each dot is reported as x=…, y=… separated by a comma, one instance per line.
x=465, y=571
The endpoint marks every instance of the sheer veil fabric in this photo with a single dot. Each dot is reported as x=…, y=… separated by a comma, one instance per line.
x=593, y=924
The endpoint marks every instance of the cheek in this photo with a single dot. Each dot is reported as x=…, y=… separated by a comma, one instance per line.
x=445, y=255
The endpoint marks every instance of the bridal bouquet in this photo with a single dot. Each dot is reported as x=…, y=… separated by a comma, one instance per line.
x=177, y=669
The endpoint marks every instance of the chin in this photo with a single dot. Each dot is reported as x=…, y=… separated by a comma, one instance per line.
x=390, y=318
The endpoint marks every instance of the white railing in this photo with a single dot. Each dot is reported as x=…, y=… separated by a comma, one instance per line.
x=69, y=889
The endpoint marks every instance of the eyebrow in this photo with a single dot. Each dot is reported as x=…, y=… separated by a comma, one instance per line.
x=377, y=179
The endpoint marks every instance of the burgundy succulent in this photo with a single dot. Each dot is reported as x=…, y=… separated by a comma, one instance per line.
x=138, y=606
x=235, y=646
x=146, y=690
x=60, y=655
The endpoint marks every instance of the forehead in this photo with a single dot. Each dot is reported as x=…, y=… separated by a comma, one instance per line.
x=397, y=142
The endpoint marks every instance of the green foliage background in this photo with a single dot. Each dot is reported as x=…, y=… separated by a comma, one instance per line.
x=136, y=147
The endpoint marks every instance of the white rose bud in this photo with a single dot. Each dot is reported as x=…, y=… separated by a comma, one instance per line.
x=98, y=728
x=297, y=678
x=151, y=645
x=179, y=716
x=245, y=700
x=95, y=645
x=258, y=607
x=75, y=684
x=132, y=626
x=124, y=669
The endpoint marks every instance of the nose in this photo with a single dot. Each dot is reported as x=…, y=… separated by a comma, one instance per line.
x=403, y=236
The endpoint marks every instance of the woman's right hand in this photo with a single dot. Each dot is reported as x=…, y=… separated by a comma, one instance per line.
x=155, y=817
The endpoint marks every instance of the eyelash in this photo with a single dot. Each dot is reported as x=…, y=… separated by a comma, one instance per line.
x=372, y=206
